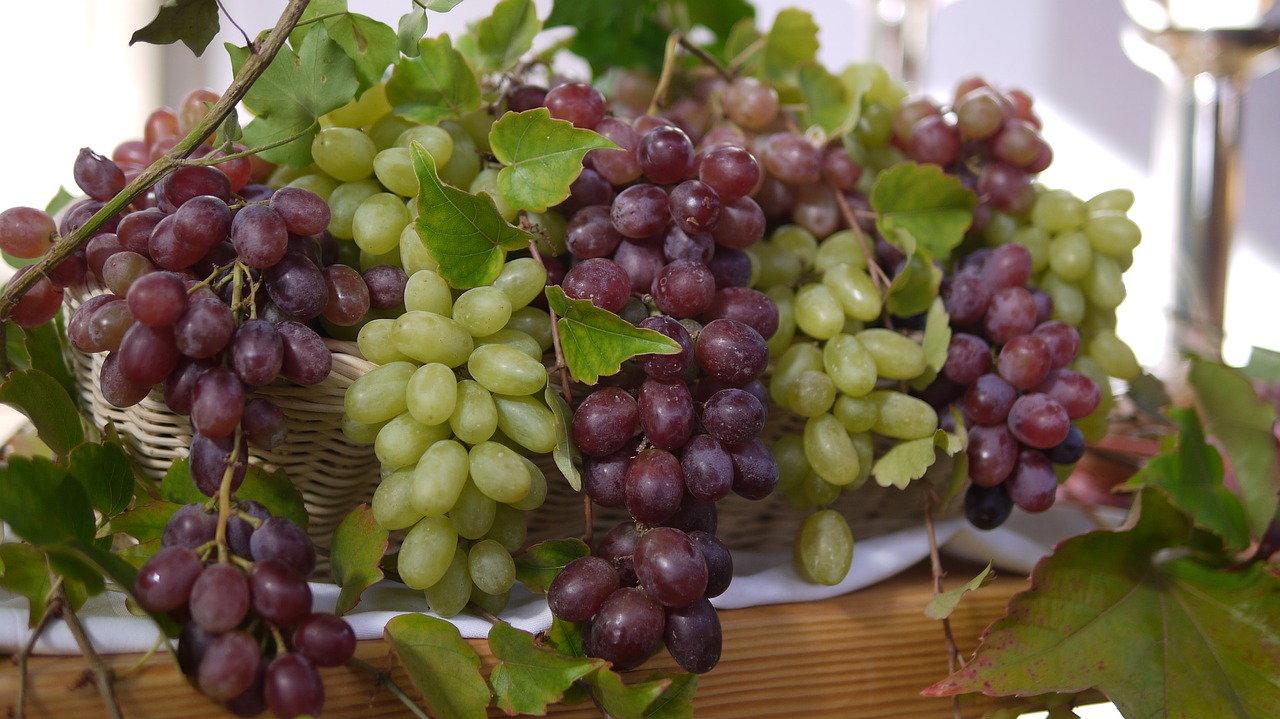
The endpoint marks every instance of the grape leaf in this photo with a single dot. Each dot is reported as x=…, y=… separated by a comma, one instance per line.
x=145, y=523
x=1243, y=423
x=905, y=462
x=613, y=34
x=791, y=42
x=942, y=605
x=529, y=677
x=463, y=232
x=194, y=22
x=91, y=563
x=596, y=342
x=931, y=206
x=829, y=102
x=625, y=701
x=370, y=44
x=566, y=454
x=1190, y=475
x=745, y=37
x=441, y=5
x=937, y=335
x=542, y=155
x=410, y=30
x=441, y=664
x=436, y=85
x=46, y=403
x=137, y=554
x=106, y=472
x=47, y=351
x=1160, y=637
x=358, y=545
x=720, y=17
x=1264, y=365
x=565, y=638
x=916, y=285
x=506, y=34
x=60, y=199
x=539, y=564
x=178, y=487
x=293, y=92
x=26, y=573
x=43, y=504
x=276, y=493
x=676, y=701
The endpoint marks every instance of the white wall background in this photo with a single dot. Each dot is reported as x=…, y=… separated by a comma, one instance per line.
x=71, y=80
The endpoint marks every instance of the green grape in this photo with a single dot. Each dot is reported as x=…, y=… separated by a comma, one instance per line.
x=429, y=337
x=427, y=551
x=1000, y=228
x=1037, y=242
x=522, y=280
x=491, y=603
x=438, y=478
x=432, y=393
x=817, y=492
x=344, y=152
x=788, y=453
x=811, y=394
x=865, y=446
x=402, y=440
x=840, y=248
x=537, y=487
x=378, y=222
x=1119, y=200
x=830, y=451
x=482, y=310
x=824, y=548
x=475, y=416
x=478, y=124
x=1112, y=232
x=437, y=141
x=527, y=421
x=343, y=203
x=896, y=356
x=387, y=128
x=818, y=311
x=391, y=507
x=901, y=416
x=360, y=432
x=799, y=241
x=449, y=596
x=535, y=322
x=506, y=370
x=1114, y=356
x=464, y=162
x=1071, y=256
x=548, y=231
x=1094, y=427
x=492, y=569
x=427, y=291
x=875, y=125
x=513, y=338
x=857, y=414
x=1104, y=285
x=363, y=111
x=510, y=528
x=1057, y=211
x=283, y=174
x=784, y=299
x=1068, y=299
x=317, y=182
x=855, y=290
x=796, y=360
x=850, y=365
x=486, y=183
x=778, y=265
x=499, y=473
x=414, y=256
x=394, y=169
x=379, y=394
x=473, y=513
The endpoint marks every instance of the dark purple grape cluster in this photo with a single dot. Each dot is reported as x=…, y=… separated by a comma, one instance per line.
x=249, y=637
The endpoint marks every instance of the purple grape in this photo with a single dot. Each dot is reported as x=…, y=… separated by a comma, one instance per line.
x=666, y=413
x=210, y=457
x=307, y=360
x=164, y=582
x=229, y=665
x=219, y=598
x=755, y=471
x=733, y=416
x=670, y=567
x=278, y=538
x=257, y=352
x=577, y=592
x=190, y=526
x=627, y=629
x=671, y=366
x=707, y=467
x=693, y=636
x=605, y=421
x=731, y=351
x=280, y=595
x=719, y=562
x=294, y=687
x=325, y=639
x=654, y=486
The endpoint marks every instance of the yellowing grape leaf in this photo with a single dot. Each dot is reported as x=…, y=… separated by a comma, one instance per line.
x=528, y=677
x=355, y=556
x=566, y=454
x=542, y=155
x=193, y=22
x=435, y=85
x=942, y=605
x=370, y=44
x=539, y=564
x=441, y=664
x=922, y=200
x=506, y=34
x=1238, y=418
x=293, y=92
x=596, y=342
x=1161, y=634
x=106, y=473
x=46, y=403
x=791, y=42
x=1189, y=472
x=463, y=232
x=905, y=462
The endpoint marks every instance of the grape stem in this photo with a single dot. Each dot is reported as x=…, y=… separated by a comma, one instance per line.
x=561, y=366
x=935, y=563
x=704, y=56
x=101, y=672
x=224, y=498
x=881, y=279
x=254, y=65
x=668, y=69
x=383, y=679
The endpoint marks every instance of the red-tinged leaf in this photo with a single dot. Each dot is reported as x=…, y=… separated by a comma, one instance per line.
x=540, y=564
x=529, y=677
x=359, y=543
x=441, y=664
x=1160, y=633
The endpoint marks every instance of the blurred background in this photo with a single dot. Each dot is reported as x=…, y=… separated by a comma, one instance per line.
x=74, y=81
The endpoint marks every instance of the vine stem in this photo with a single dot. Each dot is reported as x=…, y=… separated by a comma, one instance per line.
x=704, y=56
x=935, y=563
x=254, y=65
x=383, y=679
x=101, y=672
x=881, y=279
x=668, y=70
x=52, y=610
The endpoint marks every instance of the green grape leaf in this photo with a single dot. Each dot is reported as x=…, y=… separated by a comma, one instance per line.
x=922, y=200
x=1264, y=365
x=542, y=155
x=44, y=401
x=529, y=677
x=905, y=462
x=959, y=478
x=230, y=130
x=178, y=487
x=596, y=342
x=193, y=22
x=43, y=504
x=92, y=562
x=613, y=34
x=744, y=37
x=370, y=44
x=539, y=564
x=720, y=17
x=942, y=605
x=506, y=34
x=358, y=546
x=1148, y=392
x=565, y=638
x=1238, y=418
x=137, y=554
x=441, y=6
x=937, y=335
x=916, y=286
x=791, y=42
x=463, y=232
x=1161, y=634
x=436, y=85
x=625, y=701
x=47, y=351
x=441, y=664
x=566, y=454
x=60, y=199
x=1189, y=472
x=293, y=92
x=106, y=472
x=26, y=573
x=276, y=493
x=676, y=701
x=830, y=105
x=146, y=522
x=410, y=31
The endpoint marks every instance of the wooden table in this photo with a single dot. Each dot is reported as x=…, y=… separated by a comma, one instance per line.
x=865, y=655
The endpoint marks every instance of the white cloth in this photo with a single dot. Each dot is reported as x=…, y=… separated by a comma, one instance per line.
x=759, y=578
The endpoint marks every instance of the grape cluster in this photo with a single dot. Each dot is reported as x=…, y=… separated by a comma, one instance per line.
x=237, y=586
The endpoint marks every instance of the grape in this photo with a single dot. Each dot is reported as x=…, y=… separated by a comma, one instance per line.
x=297, y=287
x=1024, y=361
x=733, y=416
x=117, y=389
x=750, y=307
x=792, y=159
x=684, y=288
x=731, y=267
x=200, y=223
x=627, y=629
x=39, y=305
x=993, y=451
x=121, y=269
x=386, y=284
x=968, y=358
x=503, y=369
x=71, y=271
x=987, y=507
x=1033, y=485
x=591, y=233
x=210, y=457
x=303, y=211
x=348, y=296
x=1069, y=450
x=193, y=642
x=1011, y=312
x=605, y=421
x=324, y=639
x=293, y=686
x=164, y=582
x=600, y=281
x=670, y=568
x=103, y=245
x=148, y=354
x=1017, y=143
x=603, y=477
x=190, y=526
x=278, y=538
x=168, y=250
x=694, y=206
x=219, y=598
x=933, y=141
x=678, y=244
x=578, y=591
x=217, y=402
x=666, y=412
x=240, y=531
x=741, y=224
x=260, y=236
x=491, y=567
x=204, y=329
x=621, y=166
x=257, y=353
x=1077, y=393
x=707, y=467
x=694, y=515
x=670, y=366
x=185, y=183
x=281, y=596
x=1006, y=187
x=755, y=473
x=229, y=665
x=665, y=154
x=1037, y=420
x=252, y=701
x=77, y=215
x=730, y=171
x=731, y=351
x=26, y=232
x=307, y=360
x=654, y=486
x=750, y=103
x=577, y=102
x=718, y=560
x=640, y=211
x=264, y=423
